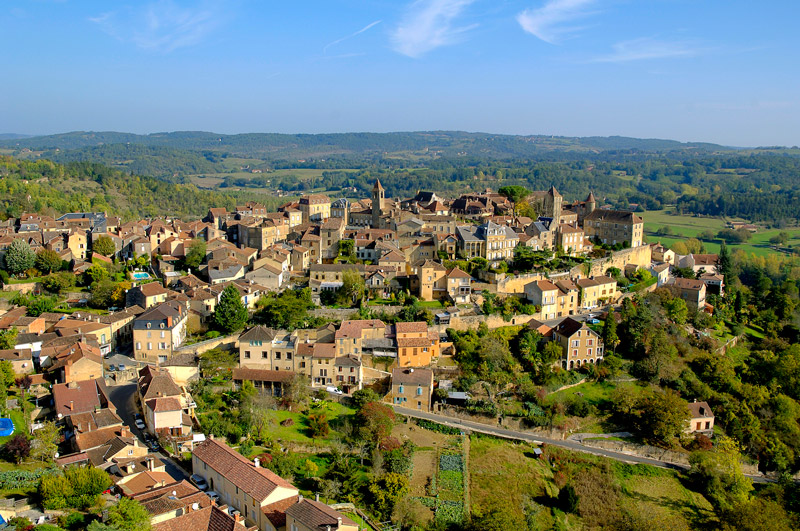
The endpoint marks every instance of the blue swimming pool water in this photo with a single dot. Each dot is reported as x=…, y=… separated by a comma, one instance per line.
x=6, y=427
x=140, y=276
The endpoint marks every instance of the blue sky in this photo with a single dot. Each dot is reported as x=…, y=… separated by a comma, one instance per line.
x=721, y=71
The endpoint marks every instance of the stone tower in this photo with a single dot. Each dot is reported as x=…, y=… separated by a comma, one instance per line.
x=378, y=195
x=591, y=204
x=554, y=201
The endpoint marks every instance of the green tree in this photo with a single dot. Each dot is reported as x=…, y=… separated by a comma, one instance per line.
x=104, y=245
x=217, y=361
x=196, y=253
x=663, y=415
x=129, y=515
x=725, y=261
x=58, y=282
x=45, y=442
x=39, y=305
x=8, y=338
x=96, y=273
x=386, y=491
x=230, y=314
x=610, y=337
x=47, y=261
x=676, y=310
x=78, y=487
x=18, y=257
x=719, y=474
x=362, y=397
x=311, y=468
x=352, y=290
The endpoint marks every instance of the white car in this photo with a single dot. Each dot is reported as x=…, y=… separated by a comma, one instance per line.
x=213, y=495
x=139, y=424
x=334, y=390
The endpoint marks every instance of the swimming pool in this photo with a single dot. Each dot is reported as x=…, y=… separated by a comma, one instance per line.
x=140, y=276
x=6, y=427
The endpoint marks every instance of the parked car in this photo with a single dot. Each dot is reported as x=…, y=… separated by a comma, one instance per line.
x=140, y=424
x=334, y=390
x=213, y=495
x=594, y=321
x=199, y=482
x=122, y=366
x=112, y=368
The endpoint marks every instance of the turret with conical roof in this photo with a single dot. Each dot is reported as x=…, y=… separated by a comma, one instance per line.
x=590, y=204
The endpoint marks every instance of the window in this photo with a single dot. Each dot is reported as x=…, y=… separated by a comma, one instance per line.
x=149, y=346
x=247, y=354
x=288, y=356
x=708, y=425
x=400, y=389
x=138, y=345
x=419, y=390
x=699, y=424
x=264, y=355
x=277, y=355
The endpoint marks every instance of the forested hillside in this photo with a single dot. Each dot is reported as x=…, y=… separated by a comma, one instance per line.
x=276, y=145
x=47, y=187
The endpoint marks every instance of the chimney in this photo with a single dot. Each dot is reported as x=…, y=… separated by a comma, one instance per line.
x=299, y=498
x=316, y=497
x=149, y=462
x=124, y=431
x=71, y=405
x=236, y=517
x=338, y=522
x=257, y=462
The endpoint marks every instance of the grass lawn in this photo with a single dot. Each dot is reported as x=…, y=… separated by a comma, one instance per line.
x=595, y=393
x=431, y=304
x=19, y=424
x=298, y=432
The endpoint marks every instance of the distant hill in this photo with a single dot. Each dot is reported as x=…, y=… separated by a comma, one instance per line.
x=12, y=136
x=273, y=146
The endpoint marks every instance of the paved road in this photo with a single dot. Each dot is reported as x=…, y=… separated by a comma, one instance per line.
x=124, y=399
x=523, y=436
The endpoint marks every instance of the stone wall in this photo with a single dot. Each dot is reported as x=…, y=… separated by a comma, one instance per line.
x=641, y=256
x=517, y=283
x=223, y=342
x=24, y=287
x=341, y=314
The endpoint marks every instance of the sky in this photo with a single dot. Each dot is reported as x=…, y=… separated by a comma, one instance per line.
x=723, y=71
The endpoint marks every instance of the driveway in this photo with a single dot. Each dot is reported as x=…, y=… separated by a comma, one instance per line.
x=124, y=398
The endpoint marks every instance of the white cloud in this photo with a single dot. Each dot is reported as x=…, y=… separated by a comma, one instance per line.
x=550, y=22
x=647, y=48
x=359, y=32
x=162, y=25
x=428, y=24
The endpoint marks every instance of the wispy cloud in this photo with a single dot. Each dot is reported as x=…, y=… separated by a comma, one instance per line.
x=429, y=24
x=648, y=48
x=552, y=22
x=163, y=25
x=359, y=32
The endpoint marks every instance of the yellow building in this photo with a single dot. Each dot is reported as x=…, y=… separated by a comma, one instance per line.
x=241, y=484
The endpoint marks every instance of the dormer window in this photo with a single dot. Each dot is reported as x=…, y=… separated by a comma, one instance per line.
x=149, y=325
x=161, y=325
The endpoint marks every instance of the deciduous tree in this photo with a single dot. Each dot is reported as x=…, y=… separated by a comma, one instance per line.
x=18, y=257
x=47, y=261
x=104, y=245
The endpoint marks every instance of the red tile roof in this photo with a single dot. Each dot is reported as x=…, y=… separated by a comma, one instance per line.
x=258, y=483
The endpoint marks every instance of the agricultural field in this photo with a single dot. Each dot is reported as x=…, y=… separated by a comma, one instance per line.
x=686, y=226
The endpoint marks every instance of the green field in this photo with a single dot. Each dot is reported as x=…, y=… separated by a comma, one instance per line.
x=686, y=226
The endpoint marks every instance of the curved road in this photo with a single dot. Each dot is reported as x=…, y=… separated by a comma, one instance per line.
x=523, y=436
